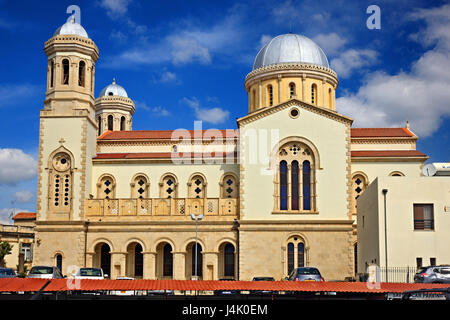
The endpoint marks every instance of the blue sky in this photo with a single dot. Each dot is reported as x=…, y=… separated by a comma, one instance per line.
x=182, y=61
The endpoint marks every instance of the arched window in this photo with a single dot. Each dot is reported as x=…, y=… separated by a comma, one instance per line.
x=81, y=73
x=229, y=260
x=295, y=253
x=197, y=187
x=140, y=187
x=330, y=98
x=168, y=187
x=292, y=90
x=359, y=184
x=110, y=122
x=306, y=185
x=99, y=125
x=283, y=185
x=314, y=94
x=58, y=261
x=106, y=187
x=61, y=183
x=197, y=252
x=294, y=185
x=65, y=74
x=122, y=123
x=294, y=182
x=270, y=95
x=52, y=72
x=290, y=257
x=167, y=261
x=229, y=186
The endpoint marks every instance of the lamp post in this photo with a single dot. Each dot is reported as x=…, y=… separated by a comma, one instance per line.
x=196, y=219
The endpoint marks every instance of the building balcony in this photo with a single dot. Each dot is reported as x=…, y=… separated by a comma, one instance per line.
x=152, y=208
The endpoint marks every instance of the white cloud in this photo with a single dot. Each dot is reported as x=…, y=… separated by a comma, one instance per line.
x=157, y=111
x=16, y=166
x=186, y=43
x=330, y=43
x=421, y=95
x=23, y=196
x=6, y=215
x=353, y=60
x=213, y=115
x=265, y=39
x=115, y=8
x=167, y=77
x=16, y=93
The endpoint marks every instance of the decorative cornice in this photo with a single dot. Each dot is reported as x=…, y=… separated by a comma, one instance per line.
x=264, y=112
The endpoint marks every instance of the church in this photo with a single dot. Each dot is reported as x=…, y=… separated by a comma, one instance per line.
x=275, y=193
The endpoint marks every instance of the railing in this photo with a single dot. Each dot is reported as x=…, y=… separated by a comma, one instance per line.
x=393, y=274
x=424, y=224
x=161, y=207
x=16, y=229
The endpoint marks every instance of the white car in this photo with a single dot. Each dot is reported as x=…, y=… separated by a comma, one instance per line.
x=45, y=272
x=90, y=273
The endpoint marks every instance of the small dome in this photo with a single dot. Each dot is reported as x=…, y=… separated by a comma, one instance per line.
x=113, y=90
x=71, y=27
x=290, y=48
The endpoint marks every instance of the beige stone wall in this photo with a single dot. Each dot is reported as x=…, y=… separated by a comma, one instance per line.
x=404, y=243
x=327, y=247
x=329, y=136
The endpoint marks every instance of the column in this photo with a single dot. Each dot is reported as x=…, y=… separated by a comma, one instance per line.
x=179, y=265
x=89, y=259
x=323, y=93
x=303, y=87
x=149, y=265
x=259, y=94
x=118, y=260
x=276, y=194
x=289, y=189
x=279, y=88
x=210, y=266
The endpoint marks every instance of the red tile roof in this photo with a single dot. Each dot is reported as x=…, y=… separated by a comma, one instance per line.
x=25, y=216
x=234, y=133
x=167, y=134
x=388, y=153
x=165, y=155
x=11, y=285
x=380, y=132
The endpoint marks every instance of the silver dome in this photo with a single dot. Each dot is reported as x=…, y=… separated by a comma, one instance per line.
x=71, y=27
x=290, y=48
x=114, y=90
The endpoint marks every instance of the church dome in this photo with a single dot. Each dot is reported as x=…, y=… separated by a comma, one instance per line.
x=290, y=48
x=71, y=27
x=113, y=90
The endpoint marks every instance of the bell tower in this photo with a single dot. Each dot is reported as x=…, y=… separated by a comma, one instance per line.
x=67, y=134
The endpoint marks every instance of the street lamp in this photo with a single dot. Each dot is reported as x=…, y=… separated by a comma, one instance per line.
x=196, y=219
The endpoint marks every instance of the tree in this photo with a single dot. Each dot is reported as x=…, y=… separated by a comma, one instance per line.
x=5, y=249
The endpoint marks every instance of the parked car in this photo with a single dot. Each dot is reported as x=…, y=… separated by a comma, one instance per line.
x=45, y=272
x=433, y=274
x=90, y=273
x=226, y=292
x=262, y=279
x=305, y=274
x=7, y=273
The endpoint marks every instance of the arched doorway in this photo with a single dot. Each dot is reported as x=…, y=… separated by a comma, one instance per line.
x=227, y=261
x=164, y=261
x=102, y=258
x=135, y=260
x=191, y=263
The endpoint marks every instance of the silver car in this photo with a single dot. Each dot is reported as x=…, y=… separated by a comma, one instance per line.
x=433, y=274
x=305, y=274
x=45, y=272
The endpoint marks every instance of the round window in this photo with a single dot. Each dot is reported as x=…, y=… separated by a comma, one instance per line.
x=294, y=113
